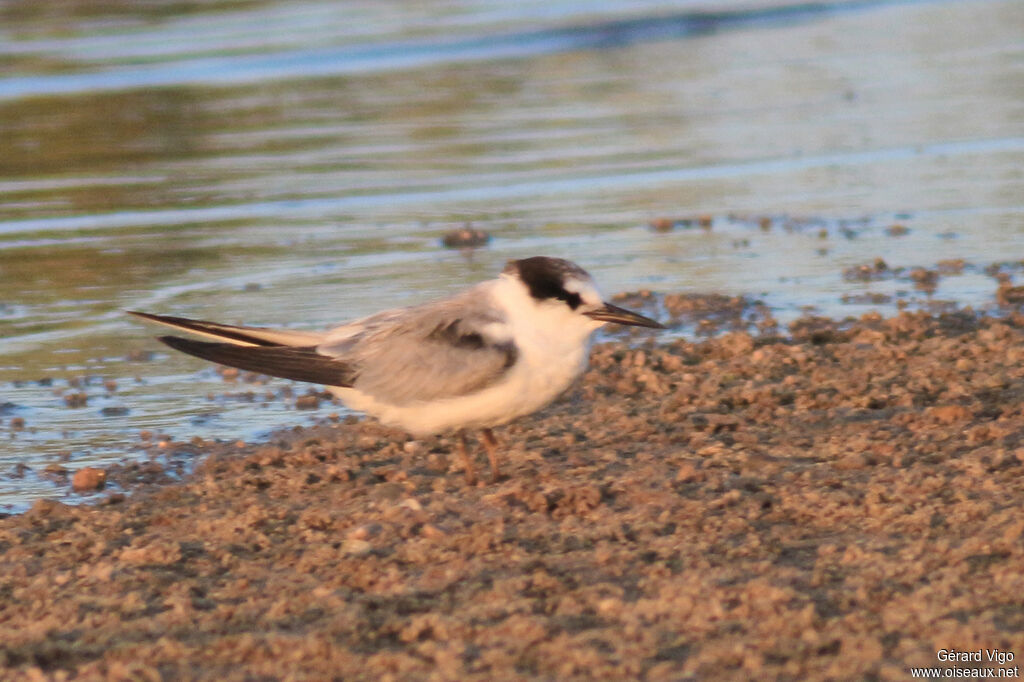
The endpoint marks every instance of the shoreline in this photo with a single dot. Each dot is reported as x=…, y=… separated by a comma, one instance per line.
x=841, y=502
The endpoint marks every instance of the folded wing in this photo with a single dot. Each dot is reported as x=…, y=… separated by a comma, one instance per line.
x=442, y=350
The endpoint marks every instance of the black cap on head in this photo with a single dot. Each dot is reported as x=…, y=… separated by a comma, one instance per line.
x=545, y=278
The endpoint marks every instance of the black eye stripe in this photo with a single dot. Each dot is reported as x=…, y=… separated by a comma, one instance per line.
x=545, y=278
x=573, y=299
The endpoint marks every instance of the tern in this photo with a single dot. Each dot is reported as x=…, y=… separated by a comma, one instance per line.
x=500, y=350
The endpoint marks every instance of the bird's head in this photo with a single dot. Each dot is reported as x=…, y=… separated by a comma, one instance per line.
x=557, y=288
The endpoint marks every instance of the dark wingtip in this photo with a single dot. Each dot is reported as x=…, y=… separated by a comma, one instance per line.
x=177, y=342
x=149, y=316
x=198, y=349
x=288, y=362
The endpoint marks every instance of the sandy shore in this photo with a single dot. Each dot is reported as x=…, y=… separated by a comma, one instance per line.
x=841, y=502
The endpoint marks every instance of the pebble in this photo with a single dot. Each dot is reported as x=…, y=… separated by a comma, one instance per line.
x=356, y=547
x=432, y=532
x=310, y=401
x=1007, y=295
x=88, y=479
x=465, y=238
x=949, y=414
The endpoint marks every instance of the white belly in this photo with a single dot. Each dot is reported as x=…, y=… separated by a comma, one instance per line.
x=541, y=373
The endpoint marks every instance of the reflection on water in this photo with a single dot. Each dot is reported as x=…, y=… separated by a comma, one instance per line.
x=286, y=185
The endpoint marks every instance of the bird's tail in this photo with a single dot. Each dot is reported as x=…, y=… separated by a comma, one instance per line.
x=239, y=336
x=277, y=352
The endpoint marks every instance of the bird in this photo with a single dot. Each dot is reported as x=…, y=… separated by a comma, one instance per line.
x=500, y=350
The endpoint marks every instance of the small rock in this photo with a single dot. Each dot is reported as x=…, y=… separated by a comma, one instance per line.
x=466, y=238
x=687, y=472
x=669, y=224
x=949, y=414
x=412, y=504
x=78, y=399
x=363, y=532
x=310, y=401
x=609, y=607
x=88, y=479
x=924, y=279
x=431, y=531
x=867, y=272
x=356, y=547
x=1008, y=295
x=951, y=266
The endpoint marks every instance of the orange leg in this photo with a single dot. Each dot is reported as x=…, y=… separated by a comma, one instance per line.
x=491, y=445
x=467, y=461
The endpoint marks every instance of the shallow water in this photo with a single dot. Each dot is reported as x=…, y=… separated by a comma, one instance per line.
x=297, y=163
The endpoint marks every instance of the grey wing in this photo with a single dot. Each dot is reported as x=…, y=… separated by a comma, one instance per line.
x=441, y=350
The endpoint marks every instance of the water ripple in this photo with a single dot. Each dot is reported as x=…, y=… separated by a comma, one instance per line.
x=418, y=53
x=502, y=188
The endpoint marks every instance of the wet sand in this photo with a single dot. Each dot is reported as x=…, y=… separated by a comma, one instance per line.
x=836, y=500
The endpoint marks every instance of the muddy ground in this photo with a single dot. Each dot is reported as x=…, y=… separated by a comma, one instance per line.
x=837, y=500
